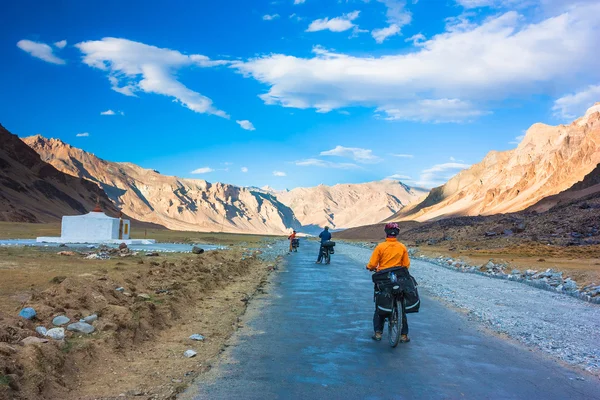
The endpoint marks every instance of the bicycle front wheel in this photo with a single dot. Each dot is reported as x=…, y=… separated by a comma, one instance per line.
x=327, y=258
x=394, y=324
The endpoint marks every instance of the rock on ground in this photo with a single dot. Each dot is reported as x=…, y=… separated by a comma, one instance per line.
x=60, y=320
x=81, y=327
x=56, y=333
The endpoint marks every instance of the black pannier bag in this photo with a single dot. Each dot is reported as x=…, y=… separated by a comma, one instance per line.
x=406, y=283
x=384, y=301
x=329, y=245
x=412, y=302
x=296, y=242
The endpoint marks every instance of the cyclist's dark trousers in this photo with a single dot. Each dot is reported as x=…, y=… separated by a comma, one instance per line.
x=378, y=322
x=321, y=252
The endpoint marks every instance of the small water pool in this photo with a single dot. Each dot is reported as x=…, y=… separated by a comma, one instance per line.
x=158, y=247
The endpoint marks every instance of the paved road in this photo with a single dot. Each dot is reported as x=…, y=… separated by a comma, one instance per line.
x=310, y=339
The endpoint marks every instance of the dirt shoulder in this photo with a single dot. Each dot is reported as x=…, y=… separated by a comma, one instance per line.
x=142, y=330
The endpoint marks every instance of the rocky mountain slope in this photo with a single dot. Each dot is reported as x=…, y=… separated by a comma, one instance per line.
x=190, y=204
x=33, y=191
x=589, y=185
x=349, y=205
x=181, y=204
x=548, y=161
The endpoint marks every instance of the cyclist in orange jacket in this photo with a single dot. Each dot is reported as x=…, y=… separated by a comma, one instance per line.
x=390, y=254
x=291, y=239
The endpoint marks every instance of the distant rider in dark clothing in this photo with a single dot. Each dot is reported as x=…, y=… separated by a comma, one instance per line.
x=325, y=237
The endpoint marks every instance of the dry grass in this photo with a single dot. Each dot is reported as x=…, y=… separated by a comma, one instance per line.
x=26, y=270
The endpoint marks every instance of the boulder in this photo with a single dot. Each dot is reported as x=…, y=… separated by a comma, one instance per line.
x=27, y=313
x=197, y=250
x=90, y=319
x=82, y=327
x=122, y=246
x=490, y=234
x=152, y=254
x=144, y=296
x=197, y=336
x=56, y=333
x=60, y=320
x=41, y=330
x=569, y=285
x=190, y=353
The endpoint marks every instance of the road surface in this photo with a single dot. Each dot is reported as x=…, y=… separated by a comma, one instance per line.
x=309, y=338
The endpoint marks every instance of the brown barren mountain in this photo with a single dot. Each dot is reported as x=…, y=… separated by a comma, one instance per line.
x=180, y=204
x=590, y=185
x=349, y=205
x=549, y=160
x=32, y=190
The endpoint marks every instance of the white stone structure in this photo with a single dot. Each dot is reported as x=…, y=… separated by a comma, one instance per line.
x=94, y=227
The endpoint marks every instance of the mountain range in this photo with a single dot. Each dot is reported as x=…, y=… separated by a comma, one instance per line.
x=42, y=179
x=549, y=161
x=193, y=204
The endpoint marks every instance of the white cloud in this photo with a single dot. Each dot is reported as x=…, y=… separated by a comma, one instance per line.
x=279, y=173
x=363, y=156
x=403, y=155
x=244, y=169
x=313, y=162
x=399, y=177
x=40, y=50
x=299, y=1
x=453, y=74
x=83, y=134
x=268, y=17
x=417, y=39
x=61, y=44
x=337, y=24
x=397, y=16
x=396, y=12
x=574, y=105
x=137, y=67
x=203, y=170
x=381, y=34
x=518, y=139
x=439, y=174
x=247, y=125
x=494, y=3
x=438, y=111
x=111, y=112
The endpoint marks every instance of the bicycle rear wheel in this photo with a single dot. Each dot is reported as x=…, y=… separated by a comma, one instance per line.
x=394, y=325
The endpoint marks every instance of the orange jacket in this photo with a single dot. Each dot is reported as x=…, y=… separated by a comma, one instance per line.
x=389, y=254
x=292, y=236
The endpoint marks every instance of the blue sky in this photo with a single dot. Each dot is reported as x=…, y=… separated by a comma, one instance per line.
x=283, y=94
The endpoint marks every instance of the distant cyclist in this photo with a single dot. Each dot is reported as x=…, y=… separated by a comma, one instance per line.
x=291, y=238
x=325, y=236
x=390, y=254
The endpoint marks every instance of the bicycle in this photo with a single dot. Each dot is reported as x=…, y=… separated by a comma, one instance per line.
x=395, y=320
x=386, y=290
x=327, y=251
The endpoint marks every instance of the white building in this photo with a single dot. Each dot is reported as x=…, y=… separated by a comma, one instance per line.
x=94, y=227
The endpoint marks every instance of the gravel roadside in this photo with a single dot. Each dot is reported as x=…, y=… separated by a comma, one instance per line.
x=562, y=326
